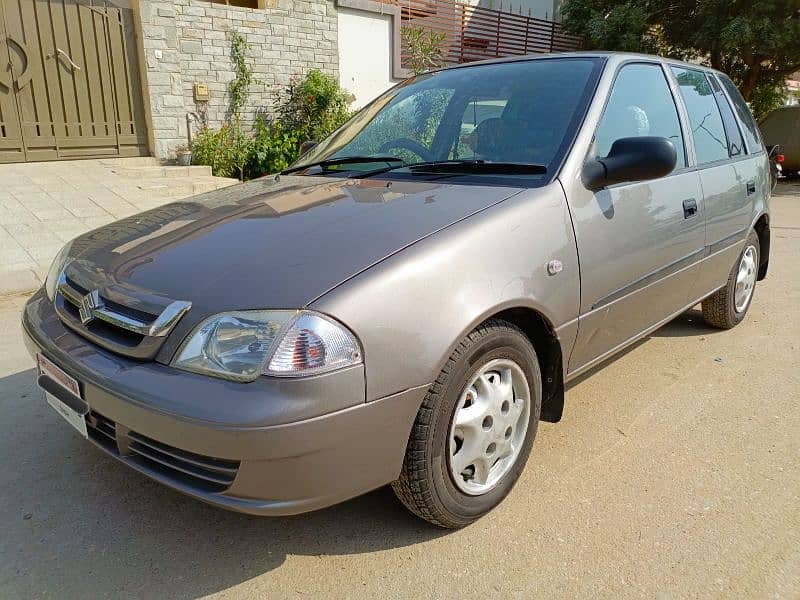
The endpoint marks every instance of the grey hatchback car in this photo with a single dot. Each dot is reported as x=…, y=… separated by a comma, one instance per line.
x=406, y=302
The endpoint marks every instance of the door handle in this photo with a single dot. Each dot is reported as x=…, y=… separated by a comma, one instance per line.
x=751, y=187
x=60, y=52
x=26, y=75
x=689, y=208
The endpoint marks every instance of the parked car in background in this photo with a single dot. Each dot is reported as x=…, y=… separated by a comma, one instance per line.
x=775, y=164
x=782, y=127
x=408, y=301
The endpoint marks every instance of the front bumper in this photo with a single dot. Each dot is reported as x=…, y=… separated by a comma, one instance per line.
x=283, y=446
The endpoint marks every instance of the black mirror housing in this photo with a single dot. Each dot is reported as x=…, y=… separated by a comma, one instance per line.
x=773, y=150
x=631, y=159
x=306, y=146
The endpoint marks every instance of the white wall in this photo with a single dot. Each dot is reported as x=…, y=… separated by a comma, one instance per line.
x=365, y=54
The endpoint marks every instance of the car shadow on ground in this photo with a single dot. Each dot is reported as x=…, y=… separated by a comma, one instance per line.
x=78, y=521
x=687, y=324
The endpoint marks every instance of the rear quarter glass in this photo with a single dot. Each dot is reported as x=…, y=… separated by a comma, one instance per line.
x=752, y=136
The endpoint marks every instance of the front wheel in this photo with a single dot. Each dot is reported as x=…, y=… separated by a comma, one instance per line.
x=474, y=431
x=727, y=307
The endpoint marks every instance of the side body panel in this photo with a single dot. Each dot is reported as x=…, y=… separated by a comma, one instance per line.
x=411, y=310
x=639, y=258
x=639, y=252
x=730, y=212
x=722, y=201
x=735, y=192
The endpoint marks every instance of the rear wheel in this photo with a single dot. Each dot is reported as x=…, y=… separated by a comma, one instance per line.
x=727, y=307
x=474, y=431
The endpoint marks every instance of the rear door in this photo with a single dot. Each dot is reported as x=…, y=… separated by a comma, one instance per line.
x=731, y=178
x=639, y=243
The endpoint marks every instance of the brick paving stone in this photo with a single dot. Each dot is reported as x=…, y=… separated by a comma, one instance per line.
x=44, y=205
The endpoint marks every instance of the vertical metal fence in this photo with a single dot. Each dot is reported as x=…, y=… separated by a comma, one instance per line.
x=477, y=33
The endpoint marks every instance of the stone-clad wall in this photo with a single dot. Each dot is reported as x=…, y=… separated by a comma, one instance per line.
x=188, y=41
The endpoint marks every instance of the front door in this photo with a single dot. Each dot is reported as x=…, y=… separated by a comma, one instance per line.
x=68, y=89
x=639, y=244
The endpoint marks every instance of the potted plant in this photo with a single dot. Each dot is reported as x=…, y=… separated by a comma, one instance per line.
x=184, y=155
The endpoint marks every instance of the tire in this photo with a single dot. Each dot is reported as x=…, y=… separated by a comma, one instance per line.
x=427, y=485
x=719, y=309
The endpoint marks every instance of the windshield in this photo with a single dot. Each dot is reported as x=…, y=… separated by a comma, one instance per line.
x=517, y=112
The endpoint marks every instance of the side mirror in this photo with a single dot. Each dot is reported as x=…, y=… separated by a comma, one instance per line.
x=631, y=159
x=773, y=151
x=306, y=146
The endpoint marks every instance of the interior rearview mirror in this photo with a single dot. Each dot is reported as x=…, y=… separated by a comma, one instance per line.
x=631, y=159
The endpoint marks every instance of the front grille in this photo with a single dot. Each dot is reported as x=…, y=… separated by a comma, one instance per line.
x=201, y=472
x=133, y=313
x=116, y=320
x=100, y=329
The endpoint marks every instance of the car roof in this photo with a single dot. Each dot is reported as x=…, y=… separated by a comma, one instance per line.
x=612, y=57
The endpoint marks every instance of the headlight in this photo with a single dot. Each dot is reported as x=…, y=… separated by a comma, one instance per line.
x=58, y=264
x=245, y=344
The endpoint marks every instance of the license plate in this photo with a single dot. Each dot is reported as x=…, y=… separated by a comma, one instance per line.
x=54, y=372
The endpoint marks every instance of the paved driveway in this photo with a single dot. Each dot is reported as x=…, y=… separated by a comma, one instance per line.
x=674, y=474
x=44, y=205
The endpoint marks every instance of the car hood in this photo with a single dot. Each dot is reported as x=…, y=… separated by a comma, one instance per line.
x=267, y=243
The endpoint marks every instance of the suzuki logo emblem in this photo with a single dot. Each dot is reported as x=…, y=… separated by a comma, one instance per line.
x=89, y=304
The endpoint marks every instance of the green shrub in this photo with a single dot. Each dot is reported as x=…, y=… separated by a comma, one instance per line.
x=314, y=106
x=308, y=109
x=225, y=150
x=274, y=148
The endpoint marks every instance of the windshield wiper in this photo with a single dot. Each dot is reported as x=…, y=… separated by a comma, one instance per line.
x=478, y=166
x=343, y=160
x=465, y=166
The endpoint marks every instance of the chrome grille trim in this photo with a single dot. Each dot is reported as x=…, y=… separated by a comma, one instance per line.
x=159, y=327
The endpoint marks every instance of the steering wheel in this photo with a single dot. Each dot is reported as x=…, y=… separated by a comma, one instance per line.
x=408, y=144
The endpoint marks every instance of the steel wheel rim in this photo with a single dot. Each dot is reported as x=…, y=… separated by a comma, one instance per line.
x=489, y=426
x=745, y=279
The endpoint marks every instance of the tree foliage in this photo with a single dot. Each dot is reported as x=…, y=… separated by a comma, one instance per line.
x=314, y=105
x=757, y=42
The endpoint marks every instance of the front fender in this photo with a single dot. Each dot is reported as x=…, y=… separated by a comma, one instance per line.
x=412, y=309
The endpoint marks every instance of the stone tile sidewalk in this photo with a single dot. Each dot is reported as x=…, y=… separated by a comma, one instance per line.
x=44, y=205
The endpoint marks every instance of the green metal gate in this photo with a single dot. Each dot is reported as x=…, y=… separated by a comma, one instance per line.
x=69, y=81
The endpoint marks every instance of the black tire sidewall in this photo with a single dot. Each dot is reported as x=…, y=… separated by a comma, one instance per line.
x=503, y=343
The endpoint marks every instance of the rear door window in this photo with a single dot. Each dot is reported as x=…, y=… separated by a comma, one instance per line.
x=751, y=134
x=640, y=104
x=708, y=132
x=732, y=131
